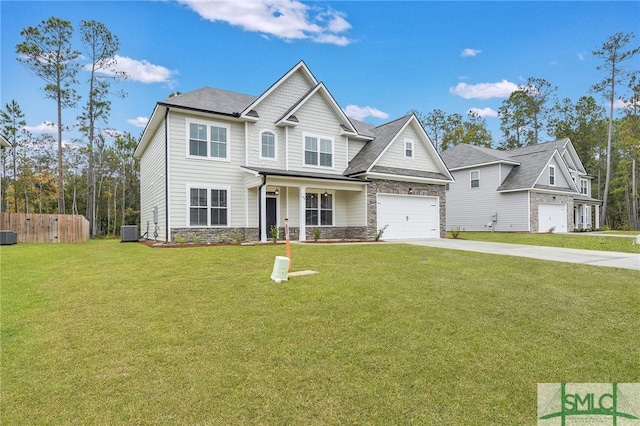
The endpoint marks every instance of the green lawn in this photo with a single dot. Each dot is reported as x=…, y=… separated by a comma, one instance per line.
x=570, y=240
x=112, y=333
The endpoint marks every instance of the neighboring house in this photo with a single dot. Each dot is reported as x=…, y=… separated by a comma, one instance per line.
x=536, y=188
x=224, y=165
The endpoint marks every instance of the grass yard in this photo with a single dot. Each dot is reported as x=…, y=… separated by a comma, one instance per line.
x=598, y=241
x=112, y=333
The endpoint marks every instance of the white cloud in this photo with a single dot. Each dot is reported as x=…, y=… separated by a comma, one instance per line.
x=284, y=19
x=501, y=89
x=142, y=71
x=44, y=127
x=580, y=56
x=620, y=104
x=360, y=113
x=138, y=121
x=484, y=112
x=470, y=52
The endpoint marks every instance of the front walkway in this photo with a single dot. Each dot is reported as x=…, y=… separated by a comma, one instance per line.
x=586, y=257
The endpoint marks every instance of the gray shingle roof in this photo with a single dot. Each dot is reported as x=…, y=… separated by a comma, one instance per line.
x=464, y=155
x=384, y=134
x=529, y=160
x=211, y=100
x=526, y=174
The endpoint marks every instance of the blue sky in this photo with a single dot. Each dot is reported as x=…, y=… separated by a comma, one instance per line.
x=379, y=59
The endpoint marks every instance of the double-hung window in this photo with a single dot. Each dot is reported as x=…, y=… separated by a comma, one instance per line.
x=475, y=179
x=319, y=209
x=208, y=207
x=318, y=151
x=583, y=186
x=268, y=145
x=208, y=140
x=408, y=149
x=552, y=175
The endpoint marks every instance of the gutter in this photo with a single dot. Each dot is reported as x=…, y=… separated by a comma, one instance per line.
x=166, y=175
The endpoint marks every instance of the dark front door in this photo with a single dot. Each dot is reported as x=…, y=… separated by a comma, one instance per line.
x=272, y=216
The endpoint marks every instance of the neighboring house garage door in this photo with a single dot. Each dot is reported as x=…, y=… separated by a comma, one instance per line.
x=408, y=216
x=552, y=216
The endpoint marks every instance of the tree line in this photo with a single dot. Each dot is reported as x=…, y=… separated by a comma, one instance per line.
x=97, y=176
x=607, y=143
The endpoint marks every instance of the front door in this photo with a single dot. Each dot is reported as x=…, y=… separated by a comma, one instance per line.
x=272, y=214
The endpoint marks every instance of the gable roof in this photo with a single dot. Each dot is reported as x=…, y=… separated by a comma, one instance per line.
x=299, y=67
x=3, y=141
x=384, y=135
x=289, y=118
x=530, y=162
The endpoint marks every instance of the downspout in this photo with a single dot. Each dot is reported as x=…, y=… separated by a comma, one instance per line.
x=264, y=182
x=166, y=175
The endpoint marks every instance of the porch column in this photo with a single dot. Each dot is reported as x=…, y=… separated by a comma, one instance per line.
x=597, y=216
x=303, y=214
x=263, y=213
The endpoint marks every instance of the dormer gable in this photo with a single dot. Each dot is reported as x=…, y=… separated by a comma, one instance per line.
x=300, y=69
x=290, y=119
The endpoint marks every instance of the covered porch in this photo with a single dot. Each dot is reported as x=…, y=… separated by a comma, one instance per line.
x=586, y=213
x=331, y=206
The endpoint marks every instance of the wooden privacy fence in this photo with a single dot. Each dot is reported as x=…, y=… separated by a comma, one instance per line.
x=46, y=228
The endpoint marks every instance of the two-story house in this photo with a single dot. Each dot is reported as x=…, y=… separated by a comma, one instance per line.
x=219, y=164
x=537, y=188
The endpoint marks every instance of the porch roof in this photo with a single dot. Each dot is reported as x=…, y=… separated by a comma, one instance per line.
x=307, y=175
x=585, y=199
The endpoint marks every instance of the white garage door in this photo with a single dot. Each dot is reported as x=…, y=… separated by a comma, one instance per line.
x=552, y=216
x=408, y=216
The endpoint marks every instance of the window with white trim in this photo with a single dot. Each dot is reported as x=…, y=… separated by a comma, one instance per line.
x=552, y=175
x=207, y=140
x=475, y=179
x=318, y=151
x=268, y=145
x=208, y=207
x=408, y=149
x=584, y=186
x=319, y=209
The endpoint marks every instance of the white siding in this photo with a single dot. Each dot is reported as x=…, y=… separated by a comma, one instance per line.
x=394, y=156
x=206, y=171
x=317, y=119
x=561, y=180
x=270, y=110
x=354, y=147
x=152, y=186
x=512, y=207
x=355, y=203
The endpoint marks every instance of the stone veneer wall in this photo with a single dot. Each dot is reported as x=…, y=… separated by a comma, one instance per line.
x=339, y=233
x=538, y=198
x=216, y=235
x=397, y=187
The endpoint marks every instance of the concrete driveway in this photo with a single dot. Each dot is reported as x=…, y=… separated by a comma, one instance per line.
x=586, y=257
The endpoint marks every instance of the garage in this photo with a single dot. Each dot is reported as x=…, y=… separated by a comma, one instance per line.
x=552, y=216
x=408, y=216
